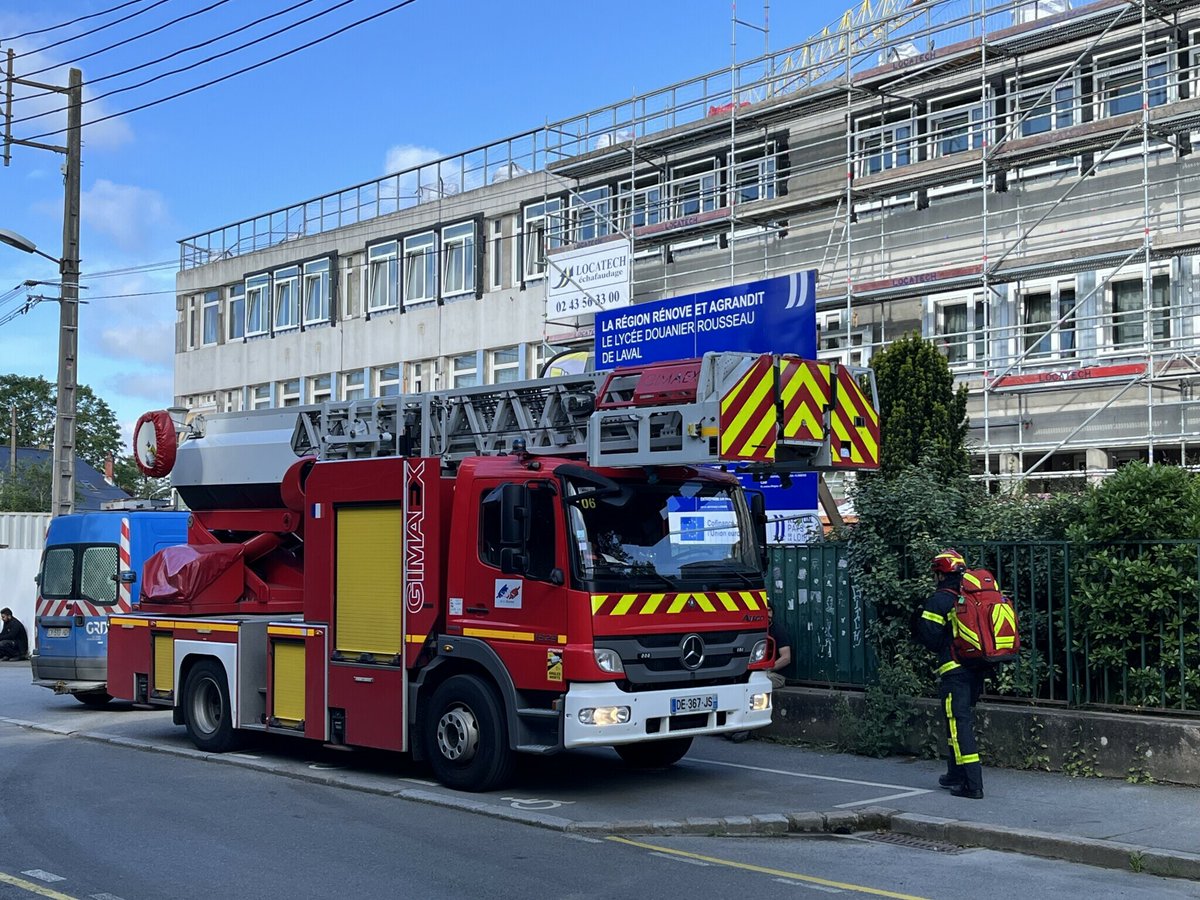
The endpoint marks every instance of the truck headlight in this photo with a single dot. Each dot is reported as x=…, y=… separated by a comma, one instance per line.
x=604, y=715
x=759, y=653
x=759, y=702
x=608, y=661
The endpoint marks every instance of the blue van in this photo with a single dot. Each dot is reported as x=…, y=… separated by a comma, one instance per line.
x=90, y=570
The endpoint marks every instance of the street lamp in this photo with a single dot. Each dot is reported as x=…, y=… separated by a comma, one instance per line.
x=23, y=243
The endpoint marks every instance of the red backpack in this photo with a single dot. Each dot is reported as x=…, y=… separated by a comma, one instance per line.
x=983, y=622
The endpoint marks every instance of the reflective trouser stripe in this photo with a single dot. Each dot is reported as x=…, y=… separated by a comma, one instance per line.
x=947, y=667
x=959, y=757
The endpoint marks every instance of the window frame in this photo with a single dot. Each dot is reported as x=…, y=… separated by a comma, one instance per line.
x=496, y=254
x=495, y=368
x=260, y=396
x=235, y=312
x=1160, y=317
x=760, y=162
x=352, y=381
x=318, y=388
x=541, y=232
x=288, y=392
x=285, y=281
x=1055, y=113
x=456, y=373
x=210, y=318
x=972, y=339
x=316, y=271
x=695, y=173
x=640, y=202
x=383, y=259
x=465, y=239
x=422, y=246
x=385, y=380
x=589, y=214
x=258, y=287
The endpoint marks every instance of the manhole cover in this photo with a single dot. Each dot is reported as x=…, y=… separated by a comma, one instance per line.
x=916, y=843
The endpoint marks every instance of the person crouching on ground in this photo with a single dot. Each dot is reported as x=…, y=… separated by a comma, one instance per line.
x=14, y=644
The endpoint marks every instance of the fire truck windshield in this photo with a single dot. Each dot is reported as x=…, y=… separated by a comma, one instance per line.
x=661, y=535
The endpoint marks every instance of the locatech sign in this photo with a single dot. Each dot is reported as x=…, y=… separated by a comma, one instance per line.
x=588, y=279
x=769, y=316
x=775, y=315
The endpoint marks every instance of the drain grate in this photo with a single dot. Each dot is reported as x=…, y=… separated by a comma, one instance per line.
x=916, y=843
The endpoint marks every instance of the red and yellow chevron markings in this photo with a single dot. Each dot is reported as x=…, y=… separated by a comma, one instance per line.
x=804, y=389
x=853, y=425
x=749, y=423
x=674, y=604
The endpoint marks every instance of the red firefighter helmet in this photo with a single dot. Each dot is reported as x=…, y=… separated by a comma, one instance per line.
x=948, y=562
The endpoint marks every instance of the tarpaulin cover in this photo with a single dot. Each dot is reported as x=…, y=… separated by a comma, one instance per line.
x=179, y=574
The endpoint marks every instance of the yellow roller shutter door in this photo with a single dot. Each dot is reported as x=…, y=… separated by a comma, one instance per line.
x=288, y=681
x=368, y=605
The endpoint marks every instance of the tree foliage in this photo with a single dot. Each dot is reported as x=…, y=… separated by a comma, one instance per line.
x=96, y=430
x=27, y=489
x=130, y=479
x=922, y=416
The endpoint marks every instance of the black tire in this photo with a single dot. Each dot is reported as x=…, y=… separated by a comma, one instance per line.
x=654, y=754
x=206, y=710
x=94, y=699
x=466, y=740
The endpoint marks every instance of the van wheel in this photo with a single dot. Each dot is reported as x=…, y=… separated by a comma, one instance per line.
x=654, y=754
x=94, y=699
x=206, y=710
x=466, y=740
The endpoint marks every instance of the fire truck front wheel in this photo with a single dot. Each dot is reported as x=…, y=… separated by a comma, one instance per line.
x=206, y=709
x=466, y=738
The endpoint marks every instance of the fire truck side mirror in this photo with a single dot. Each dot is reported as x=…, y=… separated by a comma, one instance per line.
x=758, y=513
x=514, y=515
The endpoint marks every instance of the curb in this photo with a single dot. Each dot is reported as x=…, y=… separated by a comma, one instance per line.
x=1086, y=851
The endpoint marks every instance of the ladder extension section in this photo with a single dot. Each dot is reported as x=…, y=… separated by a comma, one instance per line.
x=755, y=411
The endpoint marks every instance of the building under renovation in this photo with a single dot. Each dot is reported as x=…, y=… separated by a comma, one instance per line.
x=1013, y=180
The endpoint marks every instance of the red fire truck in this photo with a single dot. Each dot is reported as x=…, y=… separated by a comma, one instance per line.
x=475, y=573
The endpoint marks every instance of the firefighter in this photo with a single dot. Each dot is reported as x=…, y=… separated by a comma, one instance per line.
x=959, y=686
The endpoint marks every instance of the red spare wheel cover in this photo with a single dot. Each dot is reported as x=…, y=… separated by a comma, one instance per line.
x=154, y=443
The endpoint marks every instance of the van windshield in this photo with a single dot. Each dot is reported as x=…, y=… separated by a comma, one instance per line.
x=662, y=536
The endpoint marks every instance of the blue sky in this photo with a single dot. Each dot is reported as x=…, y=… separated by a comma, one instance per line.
x=433, y=78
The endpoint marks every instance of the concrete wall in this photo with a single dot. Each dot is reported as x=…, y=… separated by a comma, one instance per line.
x=1018, y=736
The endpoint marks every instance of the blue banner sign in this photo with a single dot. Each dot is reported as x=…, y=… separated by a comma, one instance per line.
x=774, y=315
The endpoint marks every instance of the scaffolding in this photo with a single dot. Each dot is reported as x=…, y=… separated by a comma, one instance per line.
x=1012, y=178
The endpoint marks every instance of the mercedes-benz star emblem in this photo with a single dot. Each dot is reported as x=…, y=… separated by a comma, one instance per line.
x=691, y=651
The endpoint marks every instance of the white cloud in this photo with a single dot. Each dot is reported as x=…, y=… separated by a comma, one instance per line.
x=150, y=342
x=132, y=216
x=407, y=156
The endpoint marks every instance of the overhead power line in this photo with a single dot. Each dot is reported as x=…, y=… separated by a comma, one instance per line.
x=131, y=39
x=103, y=12
x=93, y=81
x=92, y=31
x=241, y=71
x=193, y=65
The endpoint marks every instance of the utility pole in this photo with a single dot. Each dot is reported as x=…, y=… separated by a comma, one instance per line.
x=62, y=489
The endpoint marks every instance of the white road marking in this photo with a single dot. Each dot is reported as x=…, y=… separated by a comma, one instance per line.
x=584, y=838
x=915, y=792
x=690, y=862
x=811, y=887
x=895, y=787
x=103, y=897
x=43, y=875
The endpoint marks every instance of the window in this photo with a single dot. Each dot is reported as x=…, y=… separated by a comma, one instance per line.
x=639, y=202
x=97, y=575
x=353, y=383
x=260, y=396
x=1039, y=311
x=464, y=370
x=232, y=401
x=1119, y=85
x=420, y=377
x=316, y=291
x=289, y=392
x=694, y=189
x=496, y=251
x=754, y=175
x=883, y=148
x=256, y=304
x=541, y=232
x=1045, y=111
x=383, y=268
x=287, y=298
x=420, y=268
x=833, y=342
x=541, y=353
x=589, y=214
x=960, y=330
x=236, y=316
x=1129, y=312
x=458, y=252
x=385, y=381
x=956, y=130
x=320, y=388
x=540, y=548
x=506, y=365
x=191, y=322
x=211, y=309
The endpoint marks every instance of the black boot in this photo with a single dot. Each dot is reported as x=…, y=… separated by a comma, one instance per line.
x=950, y=780
x=963, y=791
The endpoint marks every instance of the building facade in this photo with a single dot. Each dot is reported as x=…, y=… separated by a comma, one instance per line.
x=1013, y=180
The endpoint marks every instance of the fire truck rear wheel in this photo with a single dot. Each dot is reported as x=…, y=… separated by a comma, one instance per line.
x=654, y=754
x=206, y=708
x=466, y=738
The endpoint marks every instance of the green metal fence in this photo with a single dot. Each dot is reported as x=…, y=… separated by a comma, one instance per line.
x=1114, y=625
